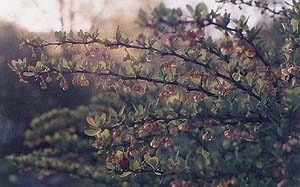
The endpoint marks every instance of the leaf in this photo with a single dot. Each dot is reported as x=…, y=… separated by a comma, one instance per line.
x=147, y=158
x=202, y=160
x=12, y=65
x=100, y=119
x=201, y=10
x=112, y=112
x=101, y=152
x=122, y=110
x=105, y=134
x=157, y=173
x=135, y=165
x=125, y=174
x=295, y=24
x=91, y=121
x=171, y=162
x=140, y=109
x=39, y=65
x=28, y=74
x=95, y=145
x=60, y=36
x=206, y=156
x=118, y=34
x=119, y=154
x=110, y=166
x=259, y=164
x=236, y=76
x=190, y=9
x=151, y=161
x=90, y=132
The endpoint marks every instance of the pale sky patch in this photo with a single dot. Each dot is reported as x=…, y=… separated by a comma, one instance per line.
x=44, y=15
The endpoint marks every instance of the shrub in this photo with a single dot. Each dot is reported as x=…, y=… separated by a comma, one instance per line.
x=182, y=109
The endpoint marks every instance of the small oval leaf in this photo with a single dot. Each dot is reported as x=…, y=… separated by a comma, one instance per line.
x=110, y=166
x=125, y=174
x=90, y=132
x=91, y=121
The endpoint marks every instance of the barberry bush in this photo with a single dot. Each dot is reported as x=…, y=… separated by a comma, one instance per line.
x=176, y=107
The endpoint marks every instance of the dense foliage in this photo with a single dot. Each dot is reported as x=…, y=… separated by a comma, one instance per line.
x=179, y=109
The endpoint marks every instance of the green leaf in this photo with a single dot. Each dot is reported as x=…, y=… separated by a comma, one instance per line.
x=113, y=113
x=147, y=158
x=171, y=162
x=122, y=110
x=105, y=134
x=90, y=132
x=259, y=164
x=226, y=19
x=295, y=24
x=125, y=174
x=60, y=36
x=118, y=34
x=39, y=65
x=236, y=76
x=202, y=160
x=140, y=109
x=101, y=152
x=100, y=119
x=110, y=166
x=190, y=9
x=154, y=162
x=135, y=165
x=28, y=74
x=206, y=155
x=201, y=10
x=151, y=161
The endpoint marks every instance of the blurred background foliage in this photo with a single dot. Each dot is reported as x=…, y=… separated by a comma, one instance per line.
x=21, y=103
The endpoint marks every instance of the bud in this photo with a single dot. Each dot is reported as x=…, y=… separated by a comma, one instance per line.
x=85, y=83
x=173, y=131
x=183, y=127
x=133, y=140
x=48, y=79
x=288, y=47
x=280, y=184
x=292, y=70
x=250, y=53
x=167, y=142
x=124, y=163
x=23, y=81
x=207, y=136
x=43, y=84
x=154, y=143
x=126, y=89
x=227, y=133
x=132, y=152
